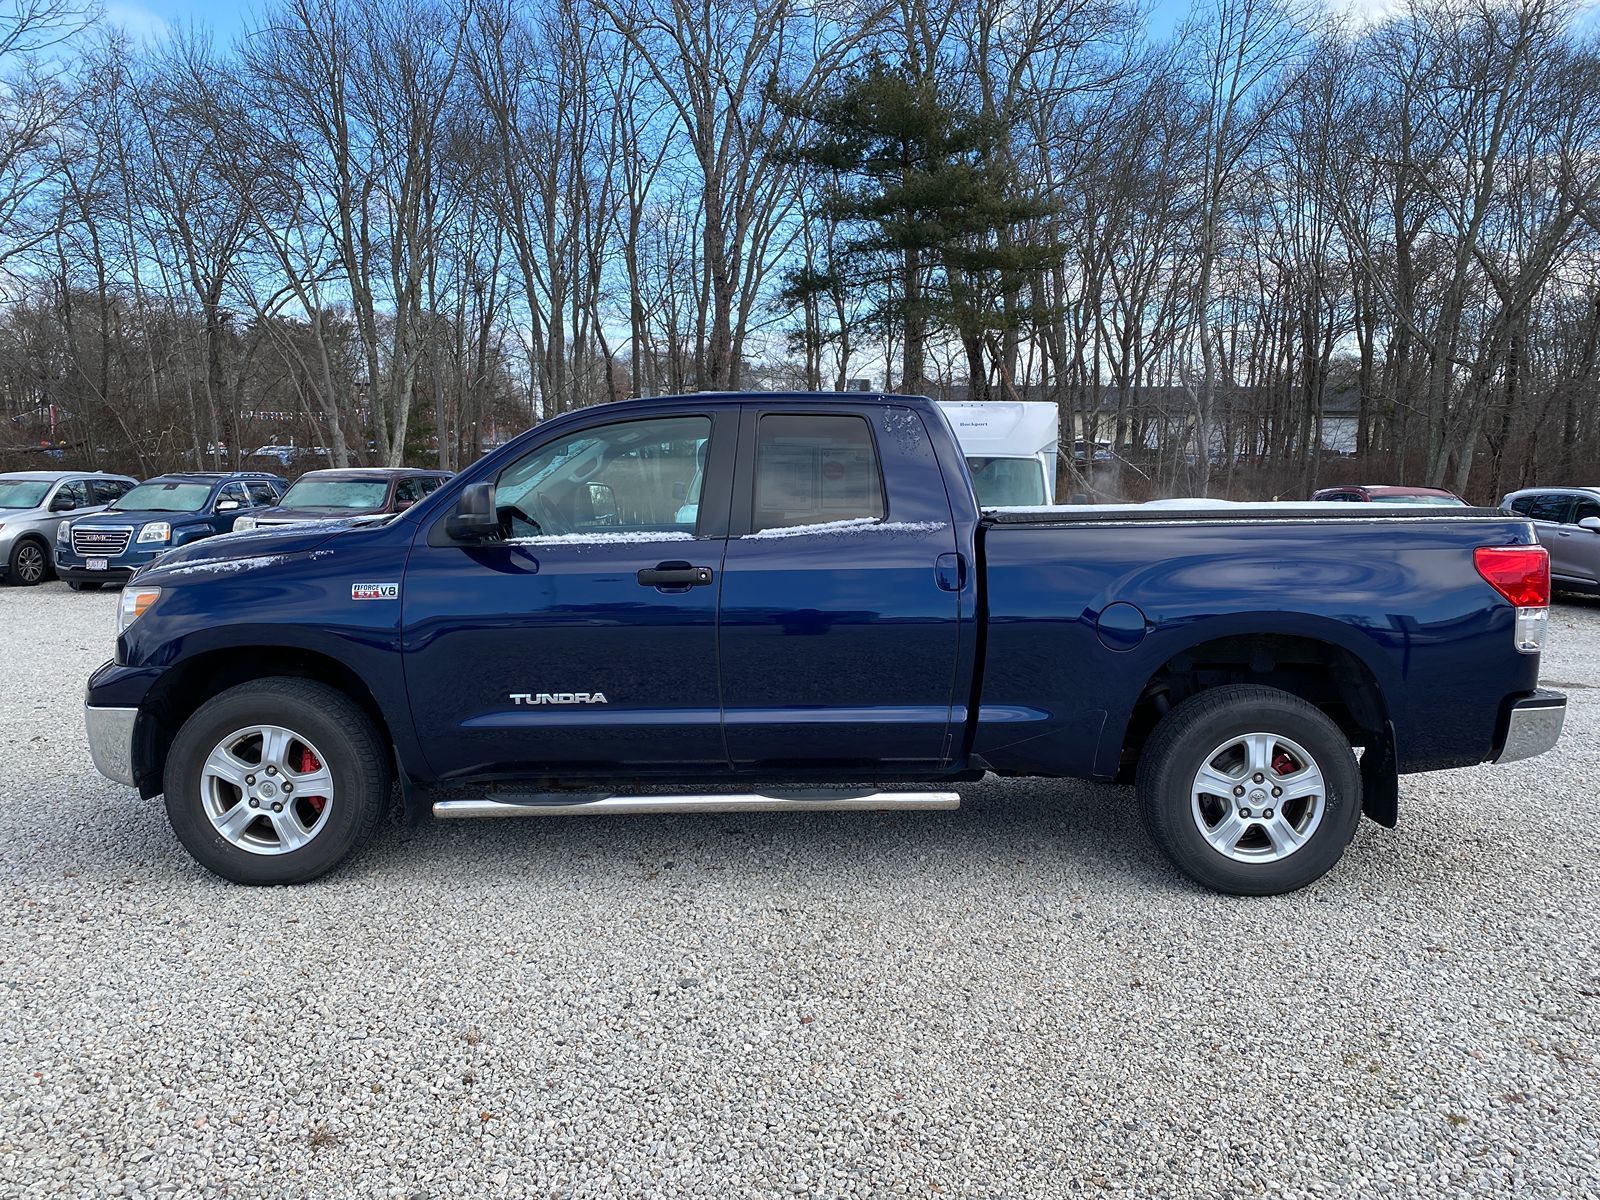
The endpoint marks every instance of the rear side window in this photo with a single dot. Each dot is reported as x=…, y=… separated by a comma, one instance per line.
x=1550, y=506
x=811, y=470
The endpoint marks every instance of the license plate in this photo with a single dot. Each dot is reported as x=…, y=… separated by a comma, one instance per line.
x=96, y=564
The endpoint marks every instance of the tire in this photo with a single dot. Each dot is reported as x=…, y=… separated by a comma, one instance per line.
x=77, y=586
x=348, y=760
x=1192, y=824
x=30, y=562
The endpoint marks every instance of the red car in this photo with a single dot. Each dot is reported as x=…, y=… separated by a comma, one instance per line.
x=1391, y=494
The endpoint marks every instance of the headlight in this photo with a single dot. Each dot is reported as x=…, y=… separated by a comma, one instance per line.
x=244, y=524
x=156, y=531
x=136, y=601
x=62, y=531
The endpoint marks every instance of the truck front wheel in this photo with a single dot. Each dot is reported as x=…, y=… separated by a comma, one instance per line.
x=276, y=781
x=1250, y=790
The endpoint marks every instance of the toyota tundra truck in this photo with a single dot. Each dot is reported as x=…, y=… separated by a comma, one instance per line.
x=776, y=602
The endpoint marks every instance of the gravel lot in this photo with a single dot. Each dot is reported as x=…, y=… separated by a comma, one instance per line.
x=1019, y=999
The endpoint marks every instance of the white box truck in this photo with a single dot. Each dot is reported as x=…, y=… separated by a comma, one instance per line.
x=1010, y=447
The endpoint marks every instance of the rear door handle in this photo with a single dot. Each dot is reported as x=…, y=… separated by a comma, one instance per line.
x=674, y=575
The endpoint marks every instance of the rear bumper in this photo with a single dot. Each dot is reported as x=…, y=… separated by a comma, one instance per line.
x=1534, y=725
x=111, y=741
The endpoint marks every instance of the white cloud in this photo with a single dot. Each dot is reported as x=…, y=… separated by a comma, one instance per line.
x=137, y=21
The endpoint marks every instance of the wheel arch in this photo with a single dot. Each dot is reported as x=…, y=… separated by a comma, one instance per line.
x=188, y=684
x=1325, y=671
x=34, y=537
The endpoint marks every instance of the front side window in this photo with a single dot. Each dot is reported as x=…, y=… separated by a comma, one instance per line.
x=358, y=495
x=72, y=494
x=813, y=470
x=630, y=477
x=236, y=493
x=262, y=495
x=165, y=497
x=1584, y=508
x=407, y=492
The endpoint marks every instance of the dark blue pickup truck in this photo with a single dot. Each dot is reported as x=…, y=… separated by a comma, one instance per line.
x=780, y=602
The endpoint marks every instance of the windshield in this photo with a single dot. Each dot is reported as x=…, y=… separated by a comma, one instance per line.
x=1449, y=501
x=165, y=497
x=359, y=494
x=1001, y=482
x=22, y=493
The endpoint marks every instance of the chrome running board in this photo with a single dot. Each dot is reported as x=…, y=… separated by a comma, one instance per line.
x=566, y=804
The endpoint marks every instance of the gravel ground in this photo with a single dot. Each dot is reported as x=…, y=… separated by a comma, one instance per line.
x=1019, y=999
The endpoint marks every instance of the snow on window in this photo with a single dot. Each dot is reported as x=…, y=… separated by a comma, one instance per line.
x=600, y=538
x=854, y=525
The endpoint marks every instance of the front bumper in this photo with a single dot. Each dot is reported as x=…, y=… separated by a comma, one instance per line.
x=1534, y=725
x=112, y=574
x=111, y=741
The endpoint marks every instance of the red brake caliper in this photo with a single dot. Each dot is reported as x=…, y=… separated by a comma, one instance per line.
x=1283, y=763
x=309, y=763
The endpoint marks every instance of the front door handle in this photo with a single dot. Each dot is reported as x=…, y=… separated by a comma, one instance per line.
x=674, y=575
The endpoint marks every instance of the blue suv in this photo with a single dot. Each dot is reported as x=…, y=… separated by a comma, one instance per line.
x=158, y=515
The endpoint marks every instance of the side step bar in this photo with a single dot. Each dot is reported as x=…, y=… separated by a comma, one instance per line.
x=565, y=804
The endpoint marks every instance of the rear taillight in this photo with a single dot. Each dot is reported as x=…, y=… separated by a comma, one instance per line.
x=1522, y=575
x=1519, y=573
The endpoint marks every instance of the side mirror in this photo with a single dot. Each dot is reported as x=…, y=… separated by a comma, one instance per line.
x=63, y=504
x=401, y=505
x=1592, y=524
x=475, y=518
x=228, y=506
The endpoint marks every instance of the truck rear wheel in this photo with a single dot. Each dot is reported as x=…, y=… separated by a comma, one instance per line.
x=1250, y=790
x=276, y=781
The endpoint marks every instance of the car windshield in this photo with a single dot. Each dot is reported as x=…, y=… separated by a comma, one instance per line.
x=157, y=496
x=363, y=494
x=22, y=493
x=1448, y=501
x=999, y=482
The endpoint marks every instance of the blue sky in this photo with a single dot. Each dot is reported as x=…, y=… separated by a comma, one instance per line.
x=227, y=17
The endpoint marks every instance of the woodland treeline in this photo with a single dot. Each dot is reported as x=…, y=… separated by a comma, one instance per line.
x=397, y=230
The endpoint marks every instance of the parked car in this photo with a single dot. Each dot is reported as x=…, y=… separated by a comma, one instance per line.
x=33, y=504
x=1383, y=493
x=156, y=517
x=341, y=493
x=549, y=628
x=1567, y=521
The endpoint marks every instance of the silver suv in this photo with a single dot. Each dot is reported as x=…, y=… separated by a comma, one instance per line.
x=1567, y=520
x=33, y=503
